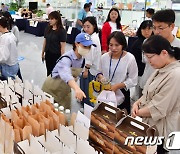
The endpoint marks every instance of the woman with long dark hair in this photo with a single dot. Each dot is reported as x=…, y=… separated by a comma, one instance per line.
x=159, y=104
x=144, y=31
x=112, y=23
x=12, y=27
x=54, y=42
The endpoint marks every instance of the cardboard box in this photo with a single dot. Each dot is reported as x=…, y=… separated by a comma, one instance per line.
x=104, y=119
x=129, y=126
x=103, y=143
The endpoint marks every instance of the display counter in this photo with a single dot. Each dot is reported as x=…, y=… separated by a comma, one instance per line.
x=37, y=29
x=21, y=24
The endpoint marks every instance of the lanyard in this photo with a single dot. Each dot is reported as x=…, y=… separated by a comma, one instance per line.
x=115, y=67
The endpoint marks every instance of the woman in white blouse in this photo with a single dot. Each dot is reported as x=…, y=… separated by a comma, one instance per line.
x=8, y=51
x=120, y=68
x=92, y=59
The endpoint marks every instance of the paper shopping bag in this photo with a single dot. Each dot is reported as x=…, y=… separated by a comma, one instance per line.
x=28, y=85
x=46, y=121
x=55, y=119
x=51, y=123
x=17, y=136
x=4, y=118
x=24, y=113
x=34, y=109
x=25, y=129
x=35, y=126
x=49, y=104
x=95, y=89
x=9, y=138
x=41, y=123
x=62, y=119
x=108, y=97
x=14, y=116
x=52, y=143
x=45, y=107
x=2, y=132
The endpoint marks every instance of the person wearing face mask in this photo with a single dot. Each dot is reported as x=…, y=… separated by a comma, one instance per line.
x=66, y=71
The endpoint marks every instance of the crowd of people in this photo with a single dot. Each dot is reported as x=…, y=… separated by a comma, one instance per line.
x=152, y=67
x=156, y=52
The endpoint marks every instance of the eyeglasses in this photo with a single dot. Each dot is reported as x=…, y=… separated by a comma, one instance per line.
x=149, y=57
x=159, y=29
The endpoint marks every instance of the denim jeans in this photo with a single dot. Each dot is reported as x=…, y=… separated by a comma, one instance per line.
x=9, y=71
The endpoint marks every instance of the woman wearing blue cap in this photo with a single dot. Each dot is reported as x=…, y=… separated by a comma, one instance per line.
x=67, y=69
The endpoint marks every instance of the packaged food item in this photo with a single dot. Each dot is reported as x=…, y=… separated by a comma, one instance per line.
x=68, y=115
x=61, y=109
x=56, y=105
x=126, y=132
x=104, y=118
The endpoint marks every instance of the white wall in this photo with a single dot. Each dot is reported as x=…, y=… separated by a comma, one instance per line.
x=67, y=9
x=126, y=15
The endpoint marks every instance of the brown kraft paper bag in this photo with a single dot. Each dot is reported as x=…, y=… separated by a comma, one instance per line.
x=55, y=119
x=62, y=119
x=41, y=122
x=9, y=138
x=46, y=121
x=14, y=116
x=35, y=126
x=34, y=109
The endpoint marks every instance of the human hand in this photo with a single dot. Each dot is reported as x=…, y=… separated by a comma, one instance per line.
x=79, y=94
x=103, y=80
x=85, y=74
x=135, y=109
x=114, y=88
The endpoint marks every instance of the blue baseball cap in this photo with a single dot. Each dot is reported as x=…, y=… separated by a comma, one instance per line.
x=84, y=39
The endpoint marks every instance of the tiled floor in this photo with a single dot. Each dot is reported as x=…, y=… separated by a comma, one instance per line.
x=31, y=66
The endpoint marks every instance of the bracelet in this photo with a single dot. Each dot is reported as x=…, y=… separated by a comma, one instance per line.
x=87, y=67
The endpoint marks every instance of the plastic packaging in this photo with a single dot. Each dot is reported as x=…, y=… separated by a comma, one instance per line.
x=56, y=105
x=56, y=109
x=68, y=115
x=61, y=109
